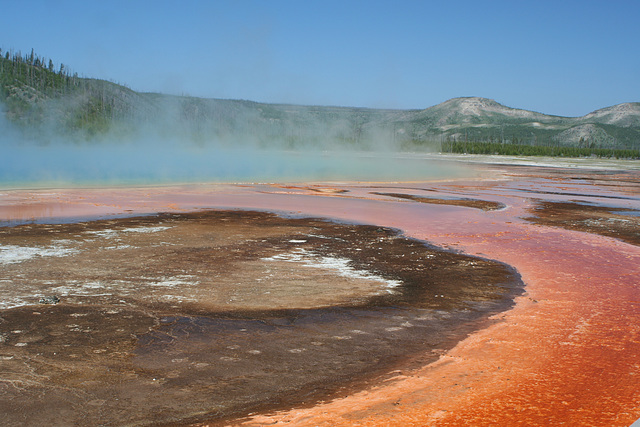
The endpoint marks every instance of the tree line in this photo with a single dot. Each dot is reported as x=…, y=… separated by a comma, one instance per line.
x=37, y=72
x=28, y=81
x=462, y=147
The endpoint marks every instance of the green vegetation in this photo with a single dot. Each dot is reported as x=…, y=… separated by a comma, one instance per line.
x=47, y=101
x=39, y=96
x=35, y=73
x=533, y=150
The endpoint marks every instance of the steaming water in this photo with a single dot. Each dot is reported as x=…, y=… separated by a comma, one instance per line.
x=127, y=164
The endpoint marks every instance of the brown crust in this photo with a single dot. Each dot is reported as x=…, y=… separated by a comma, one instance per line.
x=620, y=223
x=197, y=314
x=485, y=205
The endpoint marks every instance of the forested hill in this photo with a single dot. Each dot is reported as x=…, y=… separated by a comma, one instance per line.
x=47, y=101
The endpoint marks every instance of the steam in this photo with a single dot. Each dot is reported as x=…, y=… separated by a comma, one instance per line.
x=165, y=151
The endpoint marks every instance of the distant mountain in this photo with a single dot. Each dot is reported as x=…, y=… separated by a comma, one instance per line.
x=50, y=103
x=623, y=115
x=468, y=111
x=481, y=119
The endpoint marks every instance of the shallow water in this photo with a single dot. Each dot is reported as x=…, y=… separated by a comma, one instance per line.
x=99, y=165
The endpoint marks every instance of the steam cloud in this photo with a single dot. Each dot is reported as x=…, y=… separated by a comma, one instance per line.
x=160, y=153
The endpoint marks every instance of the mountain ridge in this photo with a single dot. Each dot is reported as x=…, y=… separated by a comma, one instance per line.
x=43, y=102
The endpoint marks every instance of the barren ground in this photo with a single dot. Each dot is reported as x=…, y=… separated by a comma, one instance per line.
x=173, y=317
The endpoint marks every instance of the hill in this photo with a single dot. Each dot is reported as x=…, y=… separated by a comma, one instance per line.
x=47, y=101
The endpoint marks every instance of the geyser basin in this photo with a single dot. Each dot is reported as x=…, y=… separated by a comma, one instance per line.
x=208, y=315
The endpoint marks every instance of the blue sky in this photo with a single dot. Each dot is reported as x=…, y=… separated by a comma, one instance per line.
x=558, y=57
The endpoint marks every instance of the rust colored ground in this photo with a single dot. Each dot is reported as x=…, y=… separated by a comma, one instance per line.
x=568, y=353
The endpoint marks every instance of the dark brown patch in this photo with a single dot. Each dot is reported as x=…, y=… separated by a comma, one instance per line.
x=485, y=205
x=620, y=223
x=117, y=351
